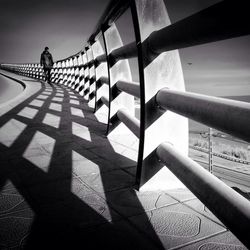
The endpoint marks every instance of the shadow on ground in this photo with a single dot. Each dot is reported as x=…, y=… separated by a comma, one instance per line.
x=62, y=183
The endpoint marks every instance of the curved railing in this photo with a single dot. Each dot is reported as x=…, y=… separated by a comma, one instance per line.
x=100, y=72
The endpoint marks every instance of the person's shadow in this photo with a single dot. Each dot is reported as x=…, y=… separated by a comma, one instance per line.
x=64, y=206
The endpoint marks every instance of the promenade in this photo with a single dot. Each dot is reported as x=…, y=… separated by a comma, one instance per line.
x=64, y=185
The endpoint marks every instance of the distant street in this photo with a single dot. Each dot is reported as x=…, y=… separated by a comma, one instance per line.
x=233, y=173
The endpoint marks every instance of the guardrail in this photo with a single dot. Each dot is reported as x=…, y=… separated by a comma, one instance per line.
x=108, y=87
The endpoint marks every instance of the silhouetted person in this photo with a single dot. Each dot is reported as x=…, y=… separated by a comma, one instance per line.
x=47, y=62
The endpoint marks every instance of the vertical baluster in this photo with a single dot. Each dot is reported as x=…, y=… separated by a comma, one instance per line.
x=157, y=126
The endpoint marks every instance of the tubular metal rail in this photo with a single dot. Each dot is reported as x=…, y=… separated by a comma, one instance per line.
x=162, y=128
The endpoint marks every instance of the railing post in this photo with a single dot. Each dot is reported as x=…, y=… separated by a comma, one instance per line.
x=118, y=72
x=109, y=80
x=93, y=86
x=156, y=125
x=210, y=148
x=81, y=73
x=101, y=110
x=86, y=75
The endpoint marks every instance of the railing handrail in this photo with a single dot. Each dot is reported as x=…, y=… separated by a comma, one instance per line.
x=131, y=122
x=215, y=27
x=230, y=116
x=131, y=88
x=113, y=10
x=215, y=194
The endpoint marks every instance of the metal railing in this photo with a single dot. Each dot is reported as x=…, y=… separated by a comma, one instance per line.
x=164, y=104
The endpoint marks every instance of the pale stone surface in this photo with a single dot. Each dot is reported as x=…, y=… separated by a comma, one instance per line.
x=176, y=225
x=52, y=120
x=56, y=107
x=42, y=97
x=130, y=202
x=108, y=181
x=57, y=99
x=74, y=102
x=201, y=208
x=182, y=194
x=37, y=103
x=223, y=241
x=28, y=112
x=77, y=112
x=10, y=131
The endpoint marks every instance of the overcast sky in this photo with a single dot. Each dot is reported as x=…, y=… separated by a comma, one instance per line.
x=27, y=26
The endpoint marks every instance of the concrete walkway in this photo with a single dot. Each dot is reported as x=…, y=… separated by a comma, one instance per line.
x=64, y=185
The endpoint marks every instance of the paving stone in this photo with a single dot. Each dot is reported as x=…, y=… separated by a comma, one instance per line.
x=10, y=131
x=77, y=112
x=75, y=102
x=130, y=154
x=47, y=93
x=201, y=208
x=115, y=147
x=131, y=170
x=57, y=99
x=81, y=131
x=100, y=117
x=223, y=241
x=94, y=125
x=182, y=194
x=43, y=97
x=52, y=120
x=86, y=167
x=75, y=152
x=13, y=230
x=118, y=159
x=124, y=237
x=109, y=181
x=28, y=112
x=130, y=202
x=77, y=211
x=9, y=188
x=37, y=103
x=125, y=151
x=96, y=142
x=27, y=213
x=11, y=203
x=56, y=107
x=27, y=174
x=127, y=140
x=176, y=225
x=58, y=191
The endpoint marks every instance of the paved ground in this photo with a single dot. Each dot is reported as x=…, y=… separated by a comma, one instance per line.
x=63, y=185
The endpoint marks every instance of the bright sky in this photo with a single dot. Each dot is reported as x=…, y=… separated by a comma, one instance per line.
x=27, y=26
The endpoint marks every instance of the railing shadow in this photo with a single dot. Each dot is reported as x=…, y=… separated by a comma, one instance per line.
x=64, y=214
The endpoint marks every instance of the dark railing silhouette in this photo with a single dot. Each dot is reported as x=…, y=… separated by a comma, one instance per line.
x=161, y=129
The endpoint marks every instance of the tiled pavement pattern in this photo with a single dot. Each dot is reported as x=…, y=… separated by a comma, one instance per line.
x=64, y=186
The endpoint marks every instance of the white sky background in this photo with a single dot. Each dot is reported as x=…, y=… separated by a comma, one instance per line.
x=27, y=26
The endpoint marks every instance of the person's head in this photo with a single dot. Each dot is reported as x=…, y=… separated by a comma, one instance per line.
x=46, y=48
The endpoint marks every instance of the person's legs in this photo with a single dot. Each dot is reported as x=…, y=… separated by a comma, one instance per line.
x=45, y=73
x=49, y=75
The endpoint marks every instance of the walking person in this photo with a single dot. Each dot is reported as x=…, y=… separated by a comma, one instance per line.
x=46, y=62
